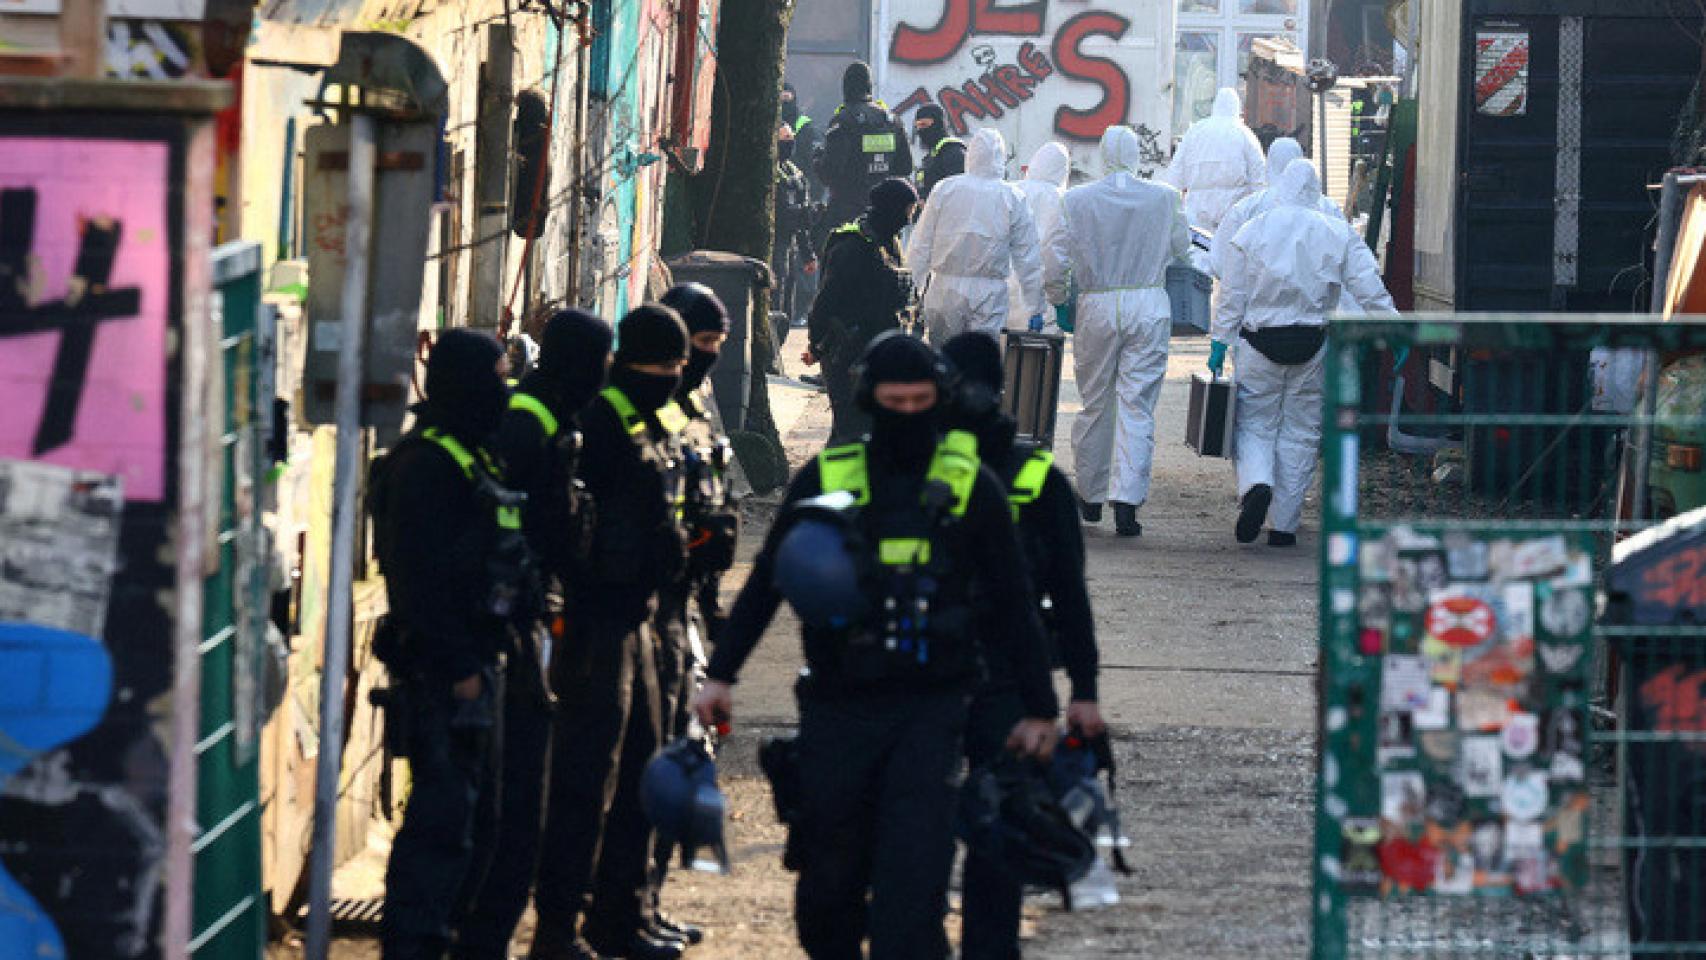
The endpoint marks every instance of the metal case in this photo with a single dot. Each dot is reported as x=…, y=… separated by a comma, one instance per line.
x=1209, y=420
x=1032, y=394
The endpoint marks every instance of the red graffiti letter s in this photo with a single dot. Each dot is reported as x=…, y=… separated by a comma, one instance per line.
x=914, y=46
x=1116, y=87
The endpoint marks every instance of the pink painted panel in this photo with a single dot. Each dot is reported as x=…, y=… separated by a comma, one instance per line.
x=85, y=207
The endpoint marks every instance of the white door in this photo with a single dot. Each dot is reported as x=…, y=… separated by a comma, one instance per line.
x=1212, y=48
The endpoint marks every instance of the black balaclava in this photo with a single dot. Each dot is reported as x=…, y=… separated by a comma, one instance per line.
x=790, y=106
x=465, y=395
x=903, y=440
x=573, y=358
x=891, y=205
x=976, y=405
x=856, y=84
x=703, y=312
x=648, y=334
x=932, y=135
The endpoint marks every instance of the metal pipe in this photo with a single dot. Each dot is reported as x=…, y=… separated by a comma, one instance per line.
x=352, y=314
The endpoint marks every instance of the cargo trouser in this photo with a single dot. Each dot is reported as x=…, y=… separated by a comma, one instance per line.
x=879, y=777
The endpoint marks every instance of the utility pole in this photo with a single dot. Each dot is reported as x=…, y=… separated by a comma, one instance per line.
x=340, y=580
x=491, y=180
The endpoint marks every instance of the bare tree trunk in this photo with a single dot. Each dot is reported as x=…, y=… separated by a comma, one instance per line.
x=734, y=196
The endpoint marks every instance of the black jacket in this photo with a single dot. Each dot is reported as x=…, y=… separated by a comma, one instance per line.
x=534, y=465
x=1053, y=544
x=435, y=533
x=637, y=546
x=846, y=165
x=794, y=218
x=1011, y=631
x=946, y=159
x=863, y=289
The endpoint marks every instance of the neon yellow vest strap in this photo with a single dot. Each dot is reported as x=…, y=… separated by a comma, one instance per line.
x=529, y=403
x=800, y=122
x=1028, y=483
x=630, y=414
x=509, y=517
x=956, y=464
x=842, y=469
x=944, y=142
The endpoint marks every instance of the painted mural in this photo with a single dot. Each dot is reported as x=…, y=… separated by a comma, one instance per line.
x=94, y=245
x=83, y=265
x=1037, y=71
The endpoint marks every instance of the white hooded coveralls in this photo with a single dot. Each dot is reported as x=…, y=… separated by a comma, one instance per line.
x=1286, y=267
x=1043, y=187
x=1218, y=163
x=1115, y=239
x=1280, y=155
x=975, y=229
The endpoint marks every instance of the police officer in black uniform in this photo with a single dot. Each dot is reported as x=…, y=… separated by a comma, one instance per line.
x=792, y=258
x=448, y=537
x=807, y=138
x=944, y=156
x=595, y=859
x=883, y=706
x=865, y=289
x=689, y=608
x=1052, y=542
x=863, y=146
x=539, y=444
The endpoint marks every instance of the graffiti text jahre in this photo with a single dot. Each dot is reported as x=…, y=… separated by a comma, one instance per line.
x=1004, y=87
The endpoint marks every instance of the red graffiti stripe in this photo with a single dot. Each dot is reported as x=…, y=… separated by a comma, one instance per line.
x=1502, y=73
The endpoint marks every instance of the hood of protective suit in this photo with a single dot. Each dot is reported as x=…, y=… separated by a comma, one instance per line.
x=1280, y=155
x=986, y=155
x=1120, y=150
x=1298, y=186
x=1050, y=164
x=1227, y=103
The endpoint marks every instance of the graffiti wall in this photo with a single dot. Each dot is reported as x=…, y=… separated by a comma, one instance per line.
x=1042, y=70
x=100, y=217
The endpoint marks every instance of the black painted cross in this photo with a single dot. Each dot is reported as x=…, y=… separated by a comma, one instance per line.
x=86, y=305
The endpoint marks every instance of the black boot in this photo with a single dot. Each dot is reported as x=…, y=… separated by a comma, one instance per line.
x=551, y=942
x=1125, y=520
x=1091, y=512
x=638, y=945
x=1253, y=512
x=664, y=928
x=1279, y=538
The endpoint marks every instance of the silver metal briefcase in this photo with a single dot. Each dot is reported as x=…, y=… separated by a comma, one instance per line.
x=1032, y=391
x=1209, y=420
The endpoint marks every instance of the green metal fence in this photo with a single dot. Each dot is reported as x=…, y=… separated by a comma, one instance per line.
x=1500, y=774
x=230, y=911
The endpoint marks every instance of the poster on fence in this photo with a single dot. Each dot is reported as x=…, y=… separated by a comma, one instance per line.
x=1480, y=730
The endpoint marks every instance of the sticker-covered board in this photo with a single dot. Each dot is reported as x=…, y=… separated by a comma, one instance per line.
x=1480, y=740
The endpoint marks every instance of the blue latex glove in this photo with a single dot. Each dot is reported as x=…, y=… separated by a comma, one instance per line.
x=1400, y=357
x=1064, y=314
x=1216, y=357
x=1036, y=324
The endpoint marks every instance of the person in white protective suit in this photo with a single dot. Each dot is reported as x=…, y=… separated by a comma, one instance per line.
x=1283, y=272
x=975, y=228
x=1280, y=155
x=1218, y=163
x=1043, y=186
x=1114, y=240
